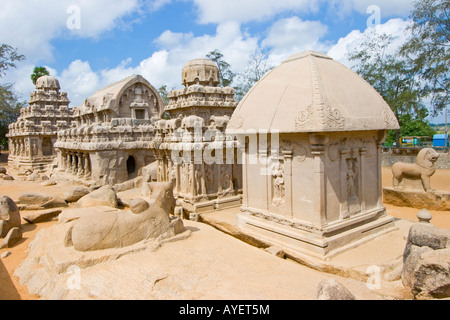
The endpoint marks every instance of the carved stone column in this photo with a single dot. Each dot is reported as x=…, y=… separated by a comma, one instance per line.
x=287, y=154
x=362, y=184
x=87, y=166
x=80, y=171
x=68, y=162
x=318, y=143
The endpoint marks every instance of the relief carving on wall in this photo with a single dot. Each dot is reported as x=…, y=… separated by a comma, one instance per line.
x=278, y=183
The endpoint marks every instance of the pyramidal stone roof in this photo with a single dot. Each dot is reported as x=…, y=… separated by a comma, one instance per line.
x=310, y=92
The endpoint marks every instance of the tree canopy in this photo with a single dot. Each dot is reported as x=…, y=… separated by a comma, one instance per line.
x=226, y=76
x=9, y=101
x=428, y=48
x=38, y=72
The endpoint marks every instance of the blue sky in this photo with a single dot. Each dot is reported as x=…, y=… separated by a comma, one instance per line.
x=88, y=44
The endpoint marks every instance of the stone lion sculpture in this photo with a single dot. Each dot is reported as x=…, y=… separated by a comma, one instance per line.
x=422, y=169
x=148, y=220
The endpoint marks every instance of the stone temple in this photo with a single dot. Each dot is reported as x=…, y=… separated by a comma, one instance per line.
x=112, y=134
x=32, y=138
x=316, y=188
x=300, y=155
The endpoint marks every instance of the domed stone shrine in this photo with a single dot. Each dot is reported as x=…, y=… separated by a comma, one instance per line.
x=313, y=131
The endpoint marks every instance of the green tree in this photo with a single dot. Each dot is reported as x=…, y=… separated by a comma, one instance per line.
x=9, y=101
x=38, y=72
x=10, y=106
x=226, y=76
x=429, y=48
x=8, y=58
x=257, y=67
x=396, y=79
x=164, y=93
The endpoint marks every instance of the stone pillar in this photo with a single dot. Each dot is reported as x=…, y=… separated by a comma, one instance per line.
x=362, y=184
x=87, y=166
x=80, y=171
x=288, y=182
x=318, y=143
x=344, y=192
x=74, y=167
x=68, y=162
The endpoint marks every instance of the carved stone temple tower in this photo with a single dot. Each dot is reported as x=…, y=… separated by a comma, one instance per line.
x=32, y=137
x=315, y=187
x=191, y=148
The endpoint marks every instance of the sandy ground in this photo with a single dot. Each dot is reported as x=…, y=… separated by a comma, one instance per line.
x=10, y=288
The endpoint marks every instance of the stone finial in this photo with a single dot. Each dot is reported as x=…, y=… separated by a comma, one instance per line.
x=424, y=216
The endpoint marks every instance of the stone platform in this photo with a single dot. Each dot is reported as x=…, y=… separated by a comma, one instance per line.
x=436, y=200
x=384, y=251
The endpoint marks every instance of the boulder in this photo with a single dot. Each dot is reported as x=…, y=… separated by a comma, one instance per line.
x=430, y=277
x=37, y=216
x=104, y=196
x=3, y=170
x=7, y=177
x=74, y=194
x=40, y=201
x=9, y=215
x=332, y=290
x=426, y=261
x=47, y=183
x=13, y=236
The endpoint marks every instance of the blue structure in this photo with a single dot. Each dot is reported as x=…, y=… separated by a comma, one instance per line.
x=439, y=140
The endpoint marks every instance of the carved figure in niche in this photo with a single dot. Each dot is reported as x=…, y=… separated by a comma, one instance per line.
x=227, y=183
x=34, y=148
x=209, y=178
x=278, y=184
x=352, y=179
x=422, y=170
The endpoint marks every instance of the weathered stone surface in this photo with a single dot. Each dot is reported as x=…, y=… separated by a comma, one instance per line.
x=7, y=177
x=104, y=196
x=75, y=193
x=9, y=215
x=422, y=234
x=121, y=229
x=13, y=236
x=47, y=183
x=71, y=214
x=431, y=275
x=426, y=261
x=436, y=200
x=332, y=290
x=37, y=216
x=3, y=170
x=39, y=201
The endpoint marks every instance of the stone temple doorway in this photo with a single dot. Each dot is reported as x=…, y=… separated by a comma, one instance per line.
x=47, y=147
x=131, y=167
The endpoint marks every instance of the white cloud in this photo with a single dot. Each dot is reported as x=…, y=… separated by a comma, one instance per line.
x=292, y=35
x=31, y=25
x=387, y=7
x=394, y=27
x=163, y=66
x=219, y=11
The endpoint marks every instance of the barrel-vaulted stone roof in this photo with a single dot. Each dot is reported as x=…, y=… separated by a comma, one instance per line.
x=108, y=98
x=310, y=92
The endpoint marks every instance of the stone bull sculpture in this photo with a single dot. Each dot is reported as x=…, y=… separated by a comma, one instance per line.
x=148, y=220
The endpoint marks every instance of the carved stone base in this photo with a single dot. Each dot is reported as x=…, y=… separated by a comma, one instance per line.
x=321, y=243
x=436, y=200
x=212, y=205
